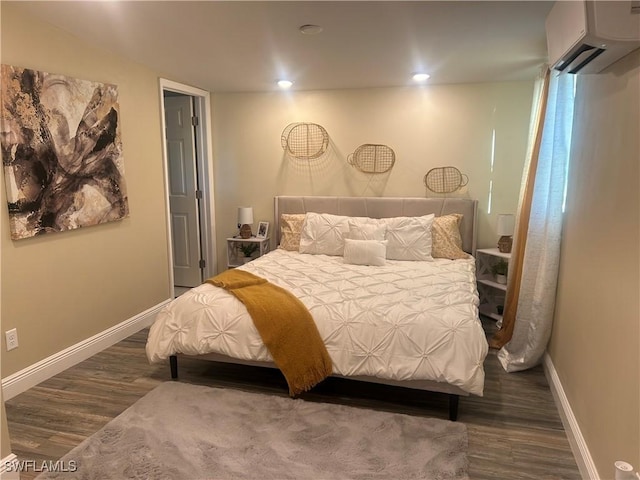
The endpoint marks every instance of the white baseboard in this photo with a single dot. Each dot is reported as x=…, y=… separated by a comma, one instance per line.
x=9, y=468
x=58, y=362
x=576, y=440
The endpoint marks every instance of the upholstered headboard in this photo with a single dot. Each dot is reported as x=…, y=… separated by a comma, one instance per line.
x=384, y=207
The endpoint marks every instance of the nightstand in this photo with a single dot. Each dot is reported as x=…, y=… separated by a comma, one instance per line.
x=235, y=246
x=491, y=292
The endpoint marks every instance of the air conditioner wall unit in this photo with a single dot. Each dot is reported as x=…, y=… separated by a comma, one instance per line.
x=587, y=36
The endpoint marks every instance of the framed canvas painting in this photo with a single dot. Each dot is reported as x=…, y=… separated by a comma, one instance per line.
x=61, y=152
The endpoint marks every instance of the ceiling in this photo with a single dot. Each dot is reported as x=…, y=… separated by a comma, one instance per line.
x=242, y=46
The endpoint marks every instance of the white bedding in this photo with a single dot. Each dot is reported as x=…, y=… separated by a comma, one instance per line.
x=406, y=320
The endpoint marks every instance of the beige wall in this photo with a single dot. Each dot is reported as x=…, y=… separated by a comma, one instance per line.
x=595, y=340
x=5, y=442
x=426, y=127
x=62, y=288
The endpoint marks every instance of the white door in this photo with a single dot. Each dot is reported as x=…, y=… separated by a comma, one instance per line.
x=183, y=202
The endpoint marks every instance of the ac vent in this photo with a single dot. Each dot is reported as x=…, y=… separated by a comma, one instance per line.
x=587, y=36
x=579, y=58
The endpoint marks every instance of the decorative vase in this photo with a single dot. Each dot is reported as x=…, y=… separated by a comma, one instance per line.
x=501, y=279
x=245, y=231
x=505, y=243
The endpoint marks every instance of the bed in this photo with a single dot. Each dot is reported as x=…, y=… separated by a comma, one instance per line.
x=396, y=320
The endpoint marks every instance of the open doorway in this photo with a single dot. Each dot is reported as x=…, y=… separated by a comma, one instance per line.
x=186, y=119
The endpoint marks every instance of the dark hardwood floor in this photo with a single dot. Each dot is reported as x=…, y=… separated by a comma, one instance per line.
x=514, y=429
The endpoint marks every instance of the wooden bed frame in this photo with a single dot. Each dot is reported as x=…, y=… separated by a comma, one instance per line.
x=374, y=207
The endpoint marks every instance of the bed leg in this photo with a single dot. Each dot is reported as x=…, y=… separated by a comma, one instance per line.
x=453, y=407
x=173, y=363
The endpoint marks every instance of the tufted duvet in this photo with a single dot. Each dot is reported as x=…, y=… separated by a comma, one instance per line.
x=406, y=320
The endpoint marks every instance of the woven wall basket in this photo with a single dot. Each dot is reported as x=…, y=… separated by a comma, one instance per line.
x=305, y=141
x=445, y=180
x=372, y=158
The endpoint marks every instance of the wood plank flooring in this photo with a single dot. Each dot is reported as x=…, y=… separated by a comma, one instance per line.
x=514, y=430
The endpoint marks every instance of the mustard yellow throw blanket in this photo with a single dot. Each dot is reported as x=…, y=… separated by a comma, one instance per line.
x=285, y=325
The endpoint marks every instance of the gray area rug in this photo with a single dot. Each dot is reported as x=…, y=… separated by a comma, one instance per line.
x=183, y=431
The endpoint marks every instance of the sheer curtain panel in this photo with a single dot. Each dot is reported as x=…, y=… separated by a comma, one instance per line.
x=539, y=253
x=538, y=109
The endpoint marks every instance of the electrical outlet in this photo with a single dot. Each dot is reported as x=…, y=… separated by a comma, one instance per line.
x=12, y=338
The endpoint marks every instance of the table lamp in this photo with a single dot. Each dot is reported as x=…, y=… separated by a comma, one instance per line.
x=506, y=224
x=245, y=220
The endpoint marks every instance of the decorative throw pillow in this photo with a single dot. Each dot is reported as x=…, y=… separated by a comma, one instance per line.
x=447, y=242
x=409, y=238
x=323, y=234
x=290, y=229
x=366, y=229
x=365, y=252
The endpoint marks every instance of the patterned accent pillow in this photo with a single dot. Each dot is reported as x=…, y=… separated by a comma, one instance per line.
x=447, y=242
x=290, y=228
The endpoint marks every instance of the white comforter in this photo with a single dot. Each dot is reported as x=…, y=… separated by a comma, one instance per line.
x=402, y=321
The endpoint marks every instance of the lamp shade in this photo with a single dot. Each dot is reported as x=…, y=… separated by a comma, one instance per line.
x=245, y=215
x=506, y=224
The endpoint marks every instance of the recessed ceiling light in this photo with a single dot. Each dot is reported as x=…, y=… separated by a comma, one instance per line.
x=420, y=77
x=285, y=84
x=310, y=29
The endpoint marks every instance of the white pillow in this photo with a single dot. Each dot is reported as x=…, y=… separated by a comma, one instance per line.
x=366, y=229
x=409, y=238
x=365, y=252
x=323, y=233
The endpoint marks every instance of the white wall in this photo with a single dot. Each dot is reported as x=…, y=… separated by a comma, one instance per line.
x=426, y=127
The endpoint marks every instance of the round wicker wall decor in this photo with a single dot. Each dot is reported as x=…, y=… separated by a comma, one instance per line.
x=445, y=179
x=305, y=141
x=372, y=158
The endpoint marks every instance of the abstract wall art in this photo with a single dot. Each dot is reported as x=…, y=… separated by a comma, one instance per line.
x=61, y=152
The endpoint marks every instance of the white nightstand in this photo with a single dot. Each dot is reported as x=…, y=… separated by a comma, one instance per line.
x=491, y=293
x=235, y=255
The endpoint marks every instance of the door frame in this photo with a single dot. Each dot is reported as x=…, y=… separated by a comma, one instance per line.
x=204, y=163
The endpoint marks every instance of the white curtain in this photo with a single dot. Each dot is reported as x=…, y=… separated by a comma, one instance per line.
x=536, y=301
